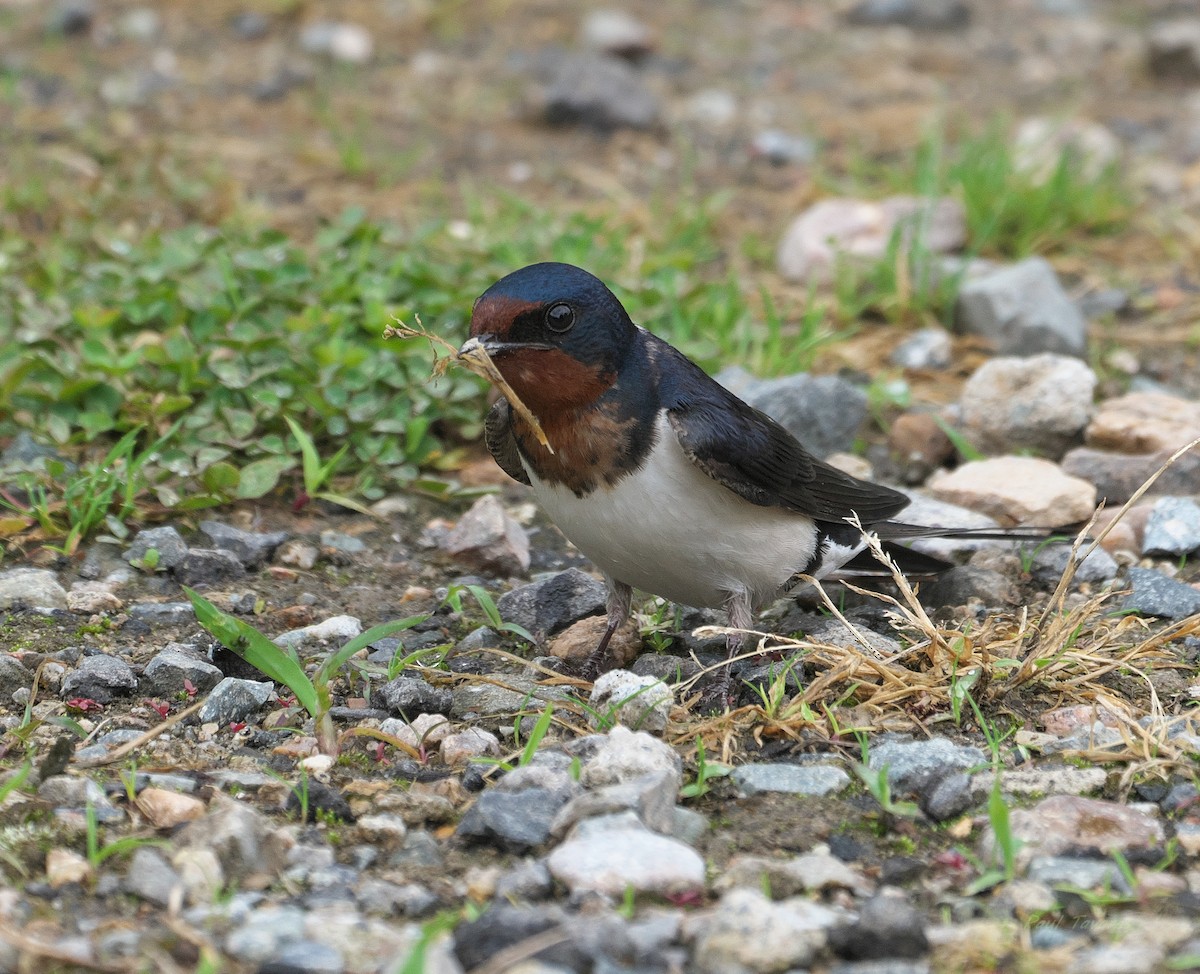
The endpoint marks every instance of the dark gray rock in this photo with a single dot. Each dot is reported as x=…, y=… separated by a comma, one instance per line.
x=920, y=767
x=669, y=669
x=1023, y=310
x=165, y=675
x=150, y=877
x=341, y=546
x=888, y=926
x=948, y=798
x=305, y=957
x=505, y=925
x=408, y=696
x=486, y=538
x=207, y=566
x=249, y=25
x=233, y=701
x=251, y=548
x=166, y=541
x=13, y=676
x=1173, y=527
x=919, y=14
x=516, y=820
x=1173, y=49
x=548, y=605
x=163, y=613
x=1118, y=475
x=25, y=454
x=963, y=583
x=529, y=880
x=71, y=17
x=601, y=92
x=1154, y=594
x=823, y=412
x=101, y=678
x=1051, y=561
x=1078, y=872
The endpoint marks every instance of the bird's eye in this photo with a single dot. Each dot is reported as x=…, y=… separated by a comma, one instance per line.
x=560, y=317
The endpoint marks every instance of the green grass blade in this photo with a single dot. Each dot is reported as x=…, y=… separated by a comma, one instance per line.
x=334, y=662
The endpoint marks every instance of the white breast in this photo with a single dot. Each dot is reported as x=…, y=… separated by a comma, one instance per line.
x=671, y=530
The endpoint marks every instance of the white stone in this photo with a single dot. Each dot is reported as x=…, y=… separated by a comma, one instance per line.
x=1017, y=490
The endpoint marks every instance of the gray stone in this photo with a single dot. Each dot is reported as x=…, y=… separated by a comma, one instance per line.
x=918, y=14
x=165, y=675
x=605, y=93
x=348, y=43
x=651, y=797
x=661, y=666
x=13, y=676
x=823, y=412
x=1173, y=49
x=1040, y=403
x=515, y=821
x=234, y=701
x=748, y=932
x=1063, y=824
x=792, y=779
x=101, y=678
x=486, y=538
x=616, y=32
x=305, y=957
x=251, y=548
x=341, y=546
x=639, y=702
x=408, y=696
x=150, y=877
x=1154, y=594
x=163, y=613
x=25, y=455
x=1023, y=310
x=949, y=797
x=1118, y=475
x=1057, y=871
x=1051, y=561
x=71, y=17
x=33, y=587
x=927, y=348
x=1173, y=527
x=165, y=540
x=207, y=566
x=783, y=148
x=336, y=629
x=548, y=605
x=963, y=584
x=624, y=754
x=647, y=862
x=259, y=937
x=919, y=767
x=504, y=925
x=527, y=880
x=888, y=925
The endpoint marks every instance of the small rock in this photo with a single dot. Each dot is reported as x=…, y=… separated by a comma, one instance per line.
x=548, y=605
x=616, y=32
x=164, y=540
x=917, y=441
x=651, y=798
x=337, y=629
x=1062, y=823
x=888, y=925
x=235, y=701
x=577, y=641
x=251, y=548
x=64, y=867
x=926, y=348
x=150, y=877
x=1078, y=872
x=422, y=731
x=1118, y=476
x=13, y=676
x=167, y=809
x=348, y=43
x=458, y=749
x=515, y=821
x=1173, y=528
x=163, y=613
x=638, y=702
x=173, y=667
x=1042, y=403
x=1023, y=310
x=298, y=554
x=1154, y=594
x=748, y=932
x=487, y=539
x=862, y=231
x=340, y=546
x=1173, y=50
x=101, y=678
x=33, y=587
x=503, y=926
x=647, y=863
x=249, y=25
x=410, y=696
x=529, y=880
x=306, y=956
x=792, y=779
x=624, y=754
x=1051, y=561
x=932, y=770
x=92, y=601
x=1018, y=490
x=1144, y=422
x=207, y=566
x=604, y=93
x=1042, y=145
x=964, y=584
x=669, y=669
x=918, y=14
x=782, y=148
x=824, y=412
x=71, y=17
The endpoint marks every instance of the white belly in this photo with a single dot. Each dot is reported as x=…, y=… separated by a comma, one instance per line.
x=671, y=530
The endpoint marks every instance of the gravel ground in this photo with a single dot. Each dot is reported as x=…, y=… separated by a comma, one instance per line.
x=855, y=812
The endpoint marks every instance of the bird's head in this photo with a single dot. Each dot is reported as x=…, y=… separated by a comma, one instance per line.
x=556, y=333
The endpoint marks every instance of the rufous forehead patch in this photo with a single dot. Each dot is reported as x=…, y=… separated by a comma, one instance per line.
x=495, y=314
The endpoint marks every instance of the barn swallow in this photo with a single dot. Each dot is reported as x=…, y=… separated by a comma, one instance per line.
x=663, y=478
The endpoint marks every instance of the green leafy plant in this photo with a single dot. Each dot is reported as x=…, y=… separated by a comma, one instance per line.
x=283, y=666
x=317, y=474
x=454, y=599
x=706, y=772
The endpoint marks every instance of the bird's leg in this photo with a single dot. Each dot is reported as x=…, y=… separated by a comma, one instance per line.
x=619, y=602
x=741, y=615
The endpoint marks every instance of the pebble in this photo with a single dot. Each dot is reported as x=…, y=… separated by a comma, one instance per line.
x=623, y=755
x=298, y=554
x=334, y=629
x=926, y=348
x=1173, y=49
x=1144, y=422
x=305, y=957
x=1051, y=561
x=639, y=702
x=1118, y=476
x=163, y=613
x=782, y=148
x=167, y=809
x=1022, y=309
x=150, y=877
x=529, y=880
x=918, y=14
x=341, y=546
x=460, y=748
x=235, y=701
x=748, y=932
x=792, y=779
x=422, y=731
x=208, y=566
x=824, y=412
x=1046, y=781
x=515, y=821
x=33, y=587
x=648, y=863
x=478, y=939
x=888, y=925
x=1173, y=528
x=1017, y=490
x=251, y=548
x=176, y=665
x=548, y=605
x=1154, y=594
x=593, y=90
x=968, y=584
x=578, y=640
x=861, y=230
x=101, y=678
x=348, y=43
x=916, y=766
x=410, y=697
x=1079, y=873
x=650, y=797
x=1041, y=403
x=616, y=32
x=13, y=676
x=488, y=539
x=1061, y=823
x=165, y=540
